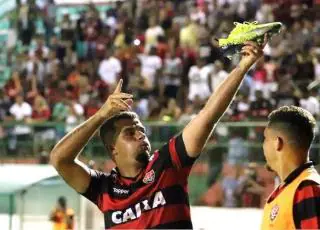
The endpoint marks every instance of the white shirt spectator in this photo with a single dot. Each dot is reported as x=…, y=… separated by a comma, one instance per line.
x=50, y=65
x=149, y=66
x=72, y=120
x=112, y=23
x=109, y=70
x=311, y=104
x=142, y=108
x=20, y=112
x=152, y=34
x=198, y=82
x=243, y=106
x=44, y=50
x=217, y=79
x=198, y=15
x=172, y=67
x=41, y=70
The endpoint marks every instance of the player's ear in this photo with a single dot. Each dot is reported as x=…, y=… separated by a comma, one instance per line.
x=111, y=148
x=279, y=143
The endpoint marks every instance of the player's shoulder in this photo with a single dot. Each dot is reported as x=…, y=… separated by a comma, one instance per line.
x=309, y=183
x=100, y=175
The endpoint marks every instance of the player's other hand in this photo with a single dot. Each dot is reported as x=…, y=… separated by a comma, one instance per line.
x=116, y=103
x=251, y=52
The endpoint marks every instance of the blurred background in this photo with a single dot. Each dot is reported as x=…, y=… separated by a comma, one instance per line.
x=60, y=59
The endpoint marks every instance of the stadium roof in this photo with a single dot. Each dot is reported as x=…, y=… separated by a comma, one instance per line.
x=17, y=177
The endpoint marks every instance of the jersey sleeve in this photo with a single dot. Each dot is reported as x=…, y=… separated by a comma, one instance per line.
x=174, y=154
x=306, y=208
x=98, y=184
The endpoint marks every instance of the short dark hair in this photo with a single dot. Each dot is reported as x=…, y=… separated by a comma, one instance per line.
x=62, y=201
x=297, y=123
x=108, y=129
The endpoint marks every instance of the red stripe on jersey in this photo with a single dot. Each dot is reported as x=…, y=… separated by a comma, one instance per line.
x=307, y=192
x=155, y=157
x=174, y=154
x=163, y=215
x=312, y=223
x=169, y=176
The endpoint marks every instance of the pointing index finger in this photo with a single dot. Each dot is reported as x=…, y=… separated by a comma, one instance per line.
x=119, y=86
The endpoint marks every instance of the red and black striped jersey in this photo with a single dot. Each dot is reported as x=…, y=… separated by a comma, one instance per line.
x=156, y=198
x=306, y=203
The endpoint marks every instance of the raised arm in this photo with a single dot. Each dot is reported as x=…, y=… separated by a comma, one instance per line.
x=64, y=155
x=196, y=133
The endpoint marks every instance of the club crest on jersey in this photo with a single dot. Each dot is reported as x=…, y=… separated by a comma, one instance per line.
x=149, y=177
x=274, y=212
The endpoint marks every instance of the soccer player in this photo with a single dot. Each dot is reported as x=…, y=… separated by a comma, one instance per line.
x=144, y=190
x=62, y=216
x=295, y=203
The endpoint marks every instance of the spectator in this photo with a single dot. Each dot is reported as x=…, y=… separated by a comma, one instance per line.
x=259, y=76
x=57, y=46
x=62, y=216
x=13, y=87
x=188, y=35
x=74, y=115
x=198, y=81
x=92, y=29
x=152, y=33
x=249, y=188
x=67, y=30
x=240, y=108
x=171, y=112
x=217, y=75
x=103, y=43
x=138, y=84
x=21, y=134
x=43, y=136
x=188, y=114
x=109, y=69
x=271, y=85
x=310, y=102
x=238, y=150
x=260, y=107
x=40, y=50
x=26, y=25
x=151, y=66
x=172, y=74
x=59, y=114
x=230, y=184
x=4, y=106
x=35, y=67
x=92, y=106
x=288, y=92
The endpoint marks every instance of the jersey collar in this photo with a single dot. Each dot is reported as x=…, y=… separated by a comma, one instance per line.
x=295, y=173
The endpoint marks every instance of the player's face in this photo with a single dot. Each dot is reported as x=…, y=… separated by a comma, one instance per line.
x=268, y=149
x=131, y=145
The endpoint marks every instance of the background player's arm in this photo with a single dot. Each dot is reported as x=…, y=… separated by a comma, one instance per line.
x=196, y=133
x=64, y=155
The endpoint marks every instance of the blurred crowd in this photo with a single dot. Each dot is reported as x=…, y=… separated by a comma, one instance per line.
x=166, y=52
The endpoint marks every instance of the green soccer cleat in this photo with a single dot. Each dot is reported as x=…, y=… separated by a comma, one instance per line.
x=247, y=31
